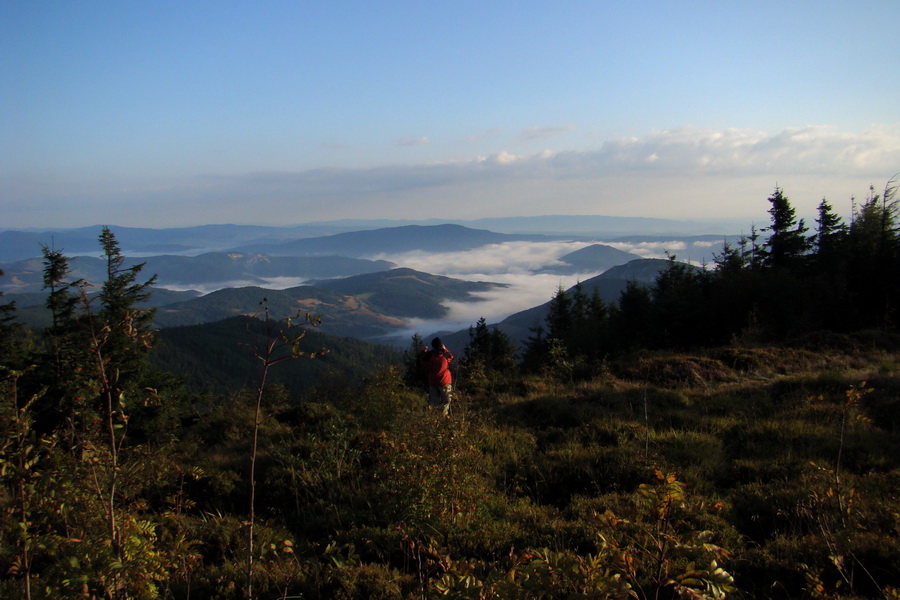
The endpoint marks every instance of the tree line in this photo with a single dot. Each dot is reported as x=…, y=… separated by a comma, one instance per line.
x=782, y=282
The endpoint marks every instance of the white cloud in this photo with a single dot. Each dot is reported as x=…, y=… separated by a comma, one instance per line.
x=655, y=249
x=812, y=149
x=268, y=283
x=207, y=288
x=524, y=292
x=491, y=261
x=504, y=158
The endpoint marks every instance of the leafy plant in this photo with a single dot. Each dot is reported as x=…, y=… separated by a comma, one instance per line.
x=269, y=353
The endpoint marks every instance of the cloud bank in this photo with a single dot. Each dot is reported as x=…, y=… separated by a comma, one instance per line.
x=678, y=173
x=509, y=263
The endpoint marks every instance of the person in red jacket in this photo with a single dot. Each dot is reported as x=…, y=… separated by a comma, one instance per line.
x=436, y=363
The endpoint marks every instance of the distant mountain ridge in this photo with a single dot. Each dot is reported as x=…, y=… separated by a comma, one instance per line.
x=213, y=269
x=391, y=240
x=596, y=257
x=23, y=244
x=18, y=245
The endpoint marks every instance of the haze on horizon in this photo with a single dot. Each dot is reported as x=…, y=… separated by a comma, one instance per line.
x=170, y=114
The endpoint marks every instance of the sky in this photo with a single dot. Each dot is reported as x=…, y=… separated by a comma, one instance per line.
x=172, y=114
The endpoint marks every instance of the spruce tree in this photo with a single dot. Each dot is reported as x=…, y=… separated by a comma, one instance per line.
x=536, y=349
x=61, y=301
x=591, y=335
x=128, y=326
x=831, y=234
x=787, y=242
x=489, y=349
x=67, y=353
x=631, y=321
x=679, y=305
x=559, y=315
x=874, y=254
x=412, y=373
x=14, y=339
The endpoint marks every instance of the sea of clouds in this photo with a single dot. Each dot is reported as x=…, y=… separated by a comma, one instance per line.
x=513, y=264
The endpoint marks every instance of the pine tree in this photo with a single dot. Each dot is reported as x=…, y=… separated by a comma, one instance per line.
x=412, y=373
x=732, y=259
x=874, y=254
x=67, y=352
x=598, y=310
x=591, y=335
x=536, y=349
x=680, y=305
x=580, y=303
x=831, y=234
x=10, y=334
x=61, y=301
x=128, y=326
x=489, y=349
x=631, y=321
x=787, y=242
x=559, y=315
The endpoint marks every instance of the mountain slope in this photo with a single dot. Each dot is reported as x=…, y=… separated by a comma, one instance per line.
x=216, y=356
x=610, y=285
x=408, y=293
x=364, y=306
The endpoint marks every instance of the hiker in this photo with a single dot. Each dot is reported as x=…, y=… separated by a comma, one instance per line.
x=436, y=363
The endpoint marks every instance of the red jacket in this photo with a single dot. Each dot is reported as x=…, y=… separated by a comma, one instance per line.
x=437, y=365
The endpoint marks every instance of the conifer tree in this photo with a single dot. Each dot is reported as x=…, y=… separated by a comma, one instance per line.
x=679, y=304
x=128, y=325
x=591, y=333
x=61, y=301
x=559, y=315
x=732, y=259
x=6, y=309
x=830, y=235
x=874, y=253
x=535, y=350
x=579, y=305
x=598, y=310
x=632, y=319
x=11, y=334
x=787, y=242
x=412, y=374
x=67, y=350
x=489, y=349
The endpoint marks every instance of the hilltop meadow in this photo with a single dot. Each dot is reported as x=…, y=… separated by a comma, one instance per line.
x=725, y=432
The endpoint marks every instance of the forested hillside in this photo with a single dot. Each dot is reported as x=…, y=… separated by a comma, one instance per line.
x=216, y=357
x=721, y=432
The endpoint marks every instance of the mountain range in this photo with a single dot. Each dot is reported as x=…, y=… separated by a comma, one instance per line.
x=206, y=272
x=332, y=275
x=135, y=241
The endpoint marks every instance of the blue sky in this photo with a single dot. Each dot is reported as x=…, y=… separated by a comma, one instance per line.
x=166, y=114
